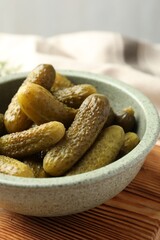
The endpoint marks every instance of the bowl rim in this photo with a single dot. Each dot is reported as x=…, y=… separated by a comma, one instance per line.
x=138, y=153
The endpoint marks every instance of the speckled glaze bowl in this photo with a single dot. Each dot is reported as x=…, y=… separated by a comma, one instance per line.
x=72, y=194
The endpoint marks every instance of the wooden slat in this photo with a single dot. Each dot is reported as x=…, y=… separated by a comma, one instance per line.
x=134, y=214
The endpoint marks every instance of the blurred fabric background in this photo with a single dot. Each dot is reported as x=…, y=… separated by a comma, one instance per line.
x=135, y=18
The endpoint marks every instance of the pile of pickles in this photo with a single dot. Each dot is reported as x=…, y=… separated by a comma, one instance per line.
x=54, y=128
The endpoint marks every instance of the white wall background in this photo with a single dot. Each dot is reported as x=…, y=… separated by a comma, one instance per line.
x=134, y=18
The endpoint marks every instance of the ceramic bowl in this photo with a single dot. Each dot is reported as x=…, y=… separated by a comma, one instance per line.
x=72, y=194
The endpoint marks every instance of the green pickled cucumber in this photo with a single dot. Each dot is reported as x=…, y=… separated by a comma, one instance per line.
x=89, y=121
x=31, y=141
x=14, y=118
x=36, y=165
x=131, y=140
x=126, y=119
x=14, y=167
x=41, y=106
x=111, y=118
x=104, y=151
x=60, y=82
x=75, y=95
x=43, y=74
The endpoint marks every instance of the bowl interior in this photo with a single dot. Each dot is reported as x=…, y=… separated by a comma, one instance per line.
x=120, y=96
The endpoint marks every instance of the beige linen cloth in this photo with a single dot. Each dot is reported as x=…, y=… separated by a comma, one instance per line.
x=134, y=62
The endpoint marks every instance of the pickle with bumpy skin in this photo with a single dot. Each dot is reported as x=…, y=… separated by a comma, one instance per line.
x=60, y=82
x=14, y=118
x=32, y=140
x=43, y=74
x=111, y=118
x=104, y=151
x=86, y=126
x=75, y=95
x=131, y=140
x=41, y=106
x=36, y=165
x=126, y=119
x=13, y=167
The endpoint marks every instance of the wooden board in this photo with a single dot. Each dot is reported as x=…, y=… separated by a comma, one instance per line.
x=134, y=214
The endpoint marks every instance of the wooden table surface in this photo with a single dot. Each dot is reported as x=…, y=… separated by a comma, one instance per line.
x=134, y=214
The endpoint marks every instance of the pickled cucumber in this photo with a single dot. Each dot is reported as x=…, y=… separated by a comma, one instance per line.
x=31, y=141
x=41, y=106
x=104, y=151
x=14, y=167
x=37, y=166
x=60, y=82
x=14, y=118
x=89, y=121
x=111, y=118
x=130, y=142
x=75, y=95
x=126, y=119
x=43, y=74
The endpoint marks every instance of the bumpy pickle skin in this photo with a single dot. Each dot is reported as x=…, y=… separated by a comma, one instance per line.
x=37, y=166
x=32, y=140
x=13, y=167
x=131, y=140
x=60, y=82
x=75, y=95
x=41, y=106
x=111, y=118
x=103, y=152
x=43, y=74
x=15, y=119
x=86, y=126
